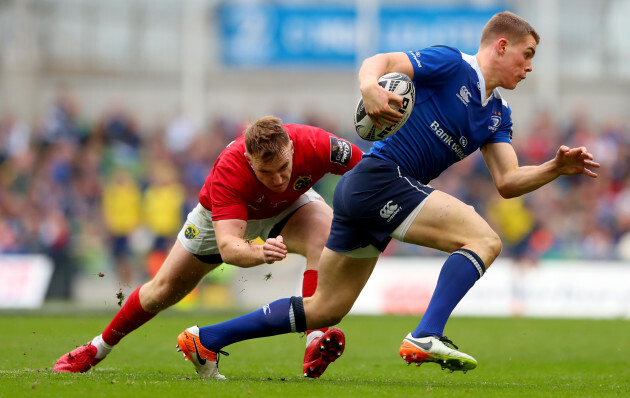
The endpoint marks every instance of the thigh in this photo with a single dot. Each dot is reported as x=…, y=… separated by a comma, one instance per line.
x=446, y=223
x=307, y=230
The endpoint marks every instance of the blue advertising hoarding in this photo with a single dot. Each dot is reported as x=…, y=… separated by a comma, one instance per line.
x=327, y=35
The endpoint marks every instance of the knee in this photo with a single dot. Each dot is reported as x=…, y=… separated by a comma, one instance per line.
x=495, y=245
x=492, y=247
x=157, y=295
x=314, y=249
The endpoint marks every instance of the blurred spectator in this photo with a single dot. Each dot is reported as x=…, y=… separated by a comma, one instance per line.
x=179, y=134
x=163, y=207
x=122, y=212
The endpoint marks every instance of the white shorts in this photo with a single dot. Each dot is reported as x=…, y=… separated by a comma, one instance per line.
x=197, y=235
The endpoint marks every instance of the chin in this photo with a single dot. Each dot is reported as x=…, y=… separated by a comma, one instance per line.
x=280, y=189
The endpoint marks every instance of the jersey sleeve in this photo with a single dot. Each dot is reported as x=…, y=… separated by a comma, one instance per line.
x=501, y=122
x=339, y=155
x=227, y=202
x=434, y=65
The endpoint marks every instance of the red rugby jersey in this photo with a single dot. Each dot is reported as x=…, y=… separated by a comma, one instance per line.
x=232, y=190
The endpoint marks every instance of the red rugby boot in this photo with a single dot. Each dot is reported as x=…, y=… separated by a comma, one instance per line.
x=322, y=351
x=79, y=360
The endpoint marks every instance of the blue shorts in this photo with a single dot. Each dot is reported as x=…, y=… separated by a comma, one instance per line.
x=370, y=202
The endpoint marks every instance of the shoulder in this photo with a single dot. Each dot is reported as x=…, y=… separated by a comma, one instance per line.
x=436, y=61
x=501, y=100
x=446, y=53
x=231, y=158
x=310, y=136
x=302, y=130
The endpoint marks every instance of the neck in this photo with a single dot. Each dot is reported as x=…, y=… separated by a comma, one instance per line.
x=486, y=70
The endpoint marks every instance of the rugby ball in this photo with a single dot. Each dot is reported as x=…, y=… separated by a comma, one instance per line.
x=397, y=83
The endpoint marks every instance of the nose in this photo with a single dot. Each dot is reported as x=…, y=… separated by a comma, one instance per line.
x=277, y=179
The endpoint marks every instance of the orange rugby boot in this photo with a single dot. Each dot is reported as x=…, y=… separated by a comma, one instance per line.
x=206, y=362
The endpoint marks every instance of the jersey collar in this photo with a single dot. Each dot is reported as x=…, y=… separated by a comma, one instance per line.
x=472, y=61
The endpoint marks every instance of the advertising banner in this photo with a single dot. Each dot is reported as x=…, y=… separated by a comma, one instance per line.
x=313, y=35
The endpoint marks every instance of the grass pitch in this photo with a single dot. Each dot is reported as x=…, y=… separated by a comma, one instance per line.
x=517, y=357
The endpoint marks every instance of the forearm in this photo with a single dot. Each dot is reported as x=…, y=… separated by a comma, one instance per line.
x=242, y=253
x=371, y=70
x=526, y=179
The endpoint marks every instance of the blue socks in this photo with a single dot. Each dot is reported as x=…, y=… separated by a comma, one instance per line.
x=459, y=273
x=281, y=316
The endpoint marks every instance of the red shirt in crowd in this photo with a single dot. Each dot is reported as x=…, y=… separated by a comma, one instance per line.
x=232, y=190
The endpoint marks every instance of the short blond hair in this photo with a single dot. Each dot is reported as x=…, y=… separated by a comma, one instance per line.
x=508, y=25
x=266, y=138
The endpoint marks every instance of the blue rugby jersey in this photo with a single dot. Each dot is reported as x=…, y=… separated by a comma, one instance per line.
x=450, y=119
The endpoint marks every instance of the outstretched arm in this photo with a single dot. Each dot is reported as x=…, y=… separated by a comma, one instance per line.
x=512, y=180
x=240, y=252
x=375, y=98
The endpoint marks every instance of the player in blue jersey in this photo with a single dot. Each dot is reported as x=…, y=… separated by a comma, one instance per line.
x=457, y=111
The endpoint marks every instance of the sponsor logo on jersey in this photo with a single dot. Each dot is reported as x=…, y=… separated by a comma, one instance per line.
x=390, y=210
x=495, y=122
x=191, y=232
x=302, y=183
x=463, y=140
x=340, y=151
x=464, y=95
x=448, y=140
x=266, y=309
x=416, y=57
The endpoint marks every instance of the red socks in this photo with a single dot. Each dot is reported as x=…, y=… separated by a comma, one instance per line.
x=130, y=317
x=309, y=284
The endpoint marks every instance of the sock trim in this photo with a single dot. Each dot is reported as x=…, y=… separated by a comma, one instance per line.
x=297, y=316
x=292, y=318
x=474, y=258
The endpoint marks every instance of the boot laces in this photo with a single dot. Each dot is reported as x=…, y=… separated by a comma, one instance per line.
x=447, y=341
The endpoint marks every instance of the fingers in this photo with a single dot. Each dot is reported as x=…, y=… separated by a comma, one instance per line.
x=376, y=122
x=387, y=112
x=590, y=173
x=274, y=250
x=578, y=160
x=589, y=163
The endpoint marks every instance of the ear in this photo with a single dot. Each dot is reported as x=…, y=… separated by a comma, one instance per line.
x=248, y=157
x=292, y=149
x=501, y=46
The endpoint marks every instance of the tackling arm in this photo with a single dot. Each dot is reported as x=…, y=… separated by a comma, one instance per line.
x=238, y=251
x=512, y=180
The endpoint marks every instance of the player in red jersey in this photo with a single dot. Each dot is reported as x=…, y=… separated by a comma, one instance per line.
x=260, y=186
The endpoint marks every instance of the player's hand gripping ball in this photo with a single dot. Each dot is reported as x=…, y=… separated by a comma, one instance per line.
x=397, y=83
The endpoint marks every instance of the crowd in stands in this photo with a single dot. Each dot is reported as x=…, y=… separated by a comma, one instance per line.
x=109, y=194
